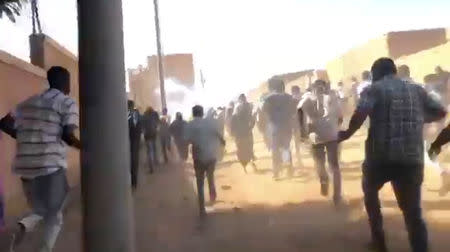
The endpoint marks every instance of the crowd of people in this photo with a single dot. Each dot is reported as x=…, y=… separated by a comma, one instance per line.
x=405, y=118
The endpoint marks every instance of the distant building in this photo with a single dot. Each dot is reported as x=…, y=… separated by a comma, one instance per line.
x=302, y=79
x=144, y=81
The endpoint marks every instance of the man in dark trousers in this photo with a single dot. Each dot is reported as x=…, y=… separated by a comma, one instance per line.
x=280, y=109
x=177, y=129
x=150, y=124
x=205, y=139
x=134, y=126
x=394, y=148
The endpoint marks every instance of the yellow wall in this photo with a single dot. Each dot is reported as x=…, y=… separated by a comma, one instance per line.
x=424, y=62
x=393, y=44
x=357, y=60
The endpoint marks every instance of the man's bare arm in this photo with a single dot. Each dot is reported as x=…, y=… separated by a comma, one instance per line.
x=356, y=122
x=70, y=138
x=7, y=125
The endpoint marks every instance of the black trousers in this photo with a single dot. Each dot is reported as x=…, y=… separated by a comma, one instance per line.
x=202, y=169
x=134, y=158
x=406, y=180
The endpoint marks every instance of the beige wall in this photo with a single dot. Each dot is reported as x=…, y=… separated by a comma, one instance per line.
x=424, y=62
x=357, y=60
x=393, y=44
x=18, y=81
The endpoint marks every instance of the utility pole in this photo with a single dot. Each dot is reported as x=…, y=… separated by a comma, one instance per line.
x=160, y=57
x=108, y=223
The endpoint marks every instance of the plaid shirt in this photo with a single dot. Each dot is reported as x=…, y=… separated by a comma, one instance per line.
x=398, y=110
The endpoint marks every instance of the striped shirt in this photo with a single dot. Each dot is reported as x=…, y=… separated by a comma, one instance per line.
x=39, y=123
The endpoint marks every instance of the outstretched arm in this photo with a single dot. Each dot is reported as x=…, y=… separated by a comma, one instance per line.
x=361, y=113
x=358, y=118
x=442, y=139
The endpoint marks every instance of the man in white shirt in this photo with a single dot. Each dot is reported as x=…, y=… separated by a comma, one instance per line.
x=323, y=113
x=366, y=81
x=205, y=139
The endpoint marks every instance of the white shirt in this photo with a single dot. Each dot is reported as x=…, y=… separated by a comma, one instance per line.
x=323, y=120
x=362, y=86
x=204, y=136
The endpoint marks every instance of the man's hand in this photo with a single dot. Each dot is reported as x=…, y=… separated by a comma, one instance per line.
x=343, y=135
x=434, y=151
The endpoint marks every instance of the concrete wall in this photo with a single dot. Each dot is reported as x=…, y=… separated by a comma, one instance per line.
x=18, y=81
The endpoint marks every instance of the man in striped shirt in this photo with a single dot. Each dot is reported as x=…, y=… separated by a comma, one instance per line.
x=43, y=125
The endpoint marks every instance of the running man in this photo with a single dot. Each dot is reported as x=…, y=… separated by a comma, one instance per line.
x=398, y=111
x=205, y=140
x=42, y=126
x=324, y=115
x=279, y=108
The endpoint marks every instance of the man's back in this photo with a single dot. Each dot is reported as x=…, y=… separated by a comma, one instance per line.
x=39, y=122
x=243, y=121
x=177, y=128
x=398, y=111
x=204, y=137
x=150, y=123
x=134, y=124
x=280, y=109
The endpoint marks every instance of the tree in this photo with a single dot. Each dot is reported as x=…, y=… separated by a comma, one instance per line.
x=35, y=17
x=11, y=8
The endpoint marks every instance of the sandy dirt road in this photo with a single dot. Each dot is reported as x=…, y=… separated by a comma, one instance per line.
x=256, y=213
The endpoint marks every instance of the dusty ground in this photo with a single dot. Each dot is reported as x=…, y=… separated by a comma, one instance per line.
x=256, y=213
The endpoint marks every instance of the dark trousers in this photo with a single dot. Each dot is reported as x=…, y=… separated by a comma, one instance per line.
x=322, y=152
x=165, y=147
x=134, y=158
x=406, y=182
x=202, y=169
x=152, y=156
